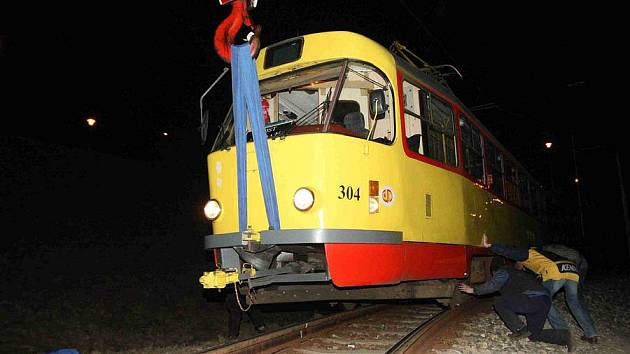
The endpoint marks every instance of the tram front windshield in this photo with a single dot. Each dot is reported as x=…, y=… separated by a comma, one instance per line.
x=298, y=103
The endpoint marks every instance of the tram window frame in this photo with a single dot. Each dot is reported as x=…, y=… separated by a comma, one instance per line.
x=472, y=148
x=510, y=181
x=384, y=129
x=441, y=128
x=415, y=146
x=543, y=205
x=494, y=163
x=413, y=111
x=537, y=209
x=525, y=194
x=438, y=137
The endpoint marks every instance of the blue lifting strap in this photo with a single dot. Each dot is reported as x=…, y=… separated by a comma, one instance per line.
x=246, y=98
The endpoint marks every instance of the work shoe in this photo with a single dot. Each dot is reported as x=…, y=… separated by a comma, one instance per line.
x=260, y=328
x=592, y=340
x=520, y=334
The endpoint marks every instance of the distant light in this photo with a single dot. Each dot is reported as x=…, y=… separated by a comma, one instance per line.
x=548, y=144
x=91, y=121
x=577, y=180
x=165, y=133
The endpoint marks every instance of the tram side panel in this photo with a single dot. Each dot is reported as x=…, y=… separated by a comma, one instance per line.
x=340, y=170
x=422, y=201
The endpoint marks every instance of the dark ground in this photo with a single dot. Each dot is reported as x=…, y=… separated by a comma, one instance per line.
x=103, y=254
x=100, y=251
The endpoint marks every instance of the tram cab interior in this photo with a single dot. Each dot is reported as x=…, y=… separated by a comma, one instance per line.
x=298, y=103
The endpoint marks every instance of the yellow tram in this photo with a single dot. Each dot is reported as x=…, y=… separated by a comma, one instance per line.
x=385, y=181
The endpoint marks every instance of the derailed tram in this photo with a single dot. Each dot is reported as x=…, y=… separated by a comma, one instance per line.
x=385, y=182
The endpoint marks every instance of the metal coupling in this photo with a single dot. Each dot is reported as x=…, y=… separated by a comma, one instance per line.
x=218, y=279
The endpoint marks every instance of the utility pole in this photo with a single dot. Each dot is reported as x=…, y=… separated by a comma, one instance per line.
x=624, y=203
x=577, y=188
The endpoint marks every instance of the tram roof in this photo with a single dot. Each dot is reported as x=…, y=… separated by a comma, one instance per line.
x=326, y=46
x=333, y=45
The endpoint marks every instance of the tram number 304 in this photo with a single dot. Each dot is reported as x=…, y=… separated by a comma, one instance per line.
x=347, y=192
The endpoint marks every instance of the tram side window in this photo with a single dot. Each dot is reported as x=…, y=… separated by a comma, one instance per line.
x=442, y=132
x=542, y=207
x=495, y=167
x=429, y=125
x=511, y=181
x=526, y=202
x=536, y=202
x=534, y=194
x=473, y=151
x=413, y=123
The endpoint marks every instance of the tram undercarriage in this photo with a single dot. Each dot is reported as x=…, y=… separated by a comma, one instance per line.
x=334, y=265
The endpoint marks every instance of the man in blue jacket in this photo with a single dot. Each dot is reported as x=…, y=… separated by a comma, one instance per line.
x=521, y=293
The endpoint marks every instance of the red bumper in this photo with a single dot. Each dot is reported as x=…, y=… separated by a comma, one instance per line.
x=382, y=264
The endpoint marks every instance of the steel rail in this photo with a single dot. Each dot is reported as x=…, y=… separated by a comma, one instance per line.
x=425, y=338
x=280, y=337
x=390, y=329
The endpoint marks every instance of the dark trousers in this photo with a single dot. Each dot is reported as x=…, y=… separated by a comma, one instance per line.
x=236, y=315
x=535, y=310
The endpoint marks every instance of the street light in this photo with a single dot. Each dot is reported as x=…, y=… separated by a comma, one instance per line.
x=548, y=144
x=91, y=121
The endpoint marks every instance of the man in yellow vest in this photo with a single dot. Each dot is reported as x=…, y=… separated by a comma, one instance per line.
x=556, y=273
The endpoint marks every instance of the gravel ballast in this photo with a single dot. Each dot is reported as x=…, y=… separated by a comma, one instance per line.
x=606, y=296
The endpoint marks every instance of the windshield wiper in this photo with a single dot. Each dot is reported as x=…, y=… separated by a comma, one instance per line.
x=306, y=119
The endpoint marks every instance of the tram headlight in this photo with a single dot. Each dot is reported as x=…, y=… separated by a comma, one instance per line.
x=303, y=199
x=212, y=209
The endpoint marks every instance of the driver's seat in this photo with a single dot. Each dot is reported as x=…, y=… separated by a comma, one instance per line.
x=355, y=122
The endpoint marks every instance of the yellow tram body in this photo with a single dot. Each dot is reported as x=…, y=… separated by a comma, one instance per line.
x=428, y=203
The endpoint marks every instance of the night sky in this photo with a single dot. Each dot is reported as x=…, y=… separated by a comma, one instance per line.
x=141, y=68
x=532, y=71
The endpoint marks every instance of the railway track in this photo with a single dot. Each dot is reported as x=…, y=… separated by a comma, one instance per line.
x=399, y=328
